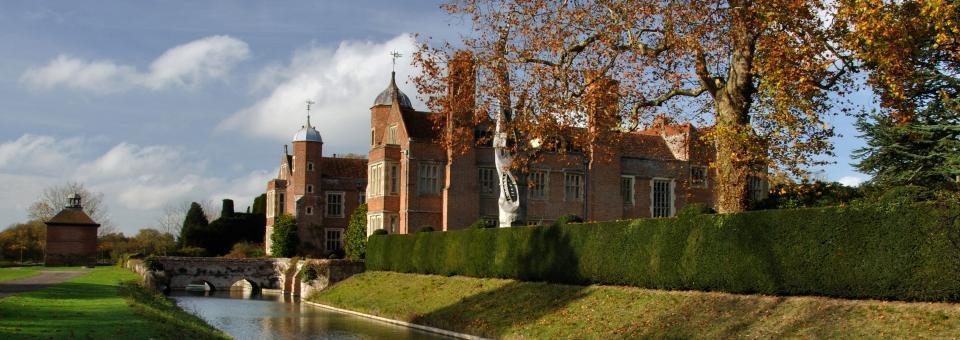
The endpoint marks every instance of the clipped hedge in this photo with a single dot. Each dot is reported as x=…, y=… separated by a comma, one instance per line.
x=887, y=252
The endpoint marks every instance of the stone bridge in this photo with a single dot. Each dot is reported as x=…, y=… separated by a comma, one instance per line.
x=260, y=273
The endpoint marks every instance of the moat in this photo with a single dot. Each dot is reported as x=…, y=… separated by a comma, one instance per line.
x=271, y=316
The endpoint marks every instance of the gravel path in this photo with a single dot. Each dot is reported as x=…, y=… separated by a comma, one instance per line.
x=39, y=281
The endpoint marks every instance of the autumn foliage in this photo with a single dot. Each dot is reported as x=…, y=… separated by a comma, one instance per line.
x=761, y=73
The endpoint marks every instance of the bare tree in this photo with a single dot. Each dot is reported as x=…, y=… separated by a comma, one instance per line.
x=171, y=219
x=54, y=198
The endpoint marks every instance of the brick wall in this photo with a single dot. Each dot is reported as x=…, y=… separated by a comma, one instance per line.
x=71, y=246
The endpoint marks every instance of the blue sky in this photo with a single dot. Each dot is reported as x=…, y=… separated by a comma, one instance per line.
x=156, y=103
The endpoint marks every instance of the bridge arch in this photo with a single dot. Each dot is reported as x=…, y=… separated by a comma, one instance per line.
x=260, y=273
x=207, y=286
x=220, y=273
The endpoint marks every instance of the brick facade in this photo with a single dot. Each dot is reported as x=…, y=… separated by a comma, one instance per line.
x=320, y=192
x=411, y=181
x=666, y=166
x=71, y=237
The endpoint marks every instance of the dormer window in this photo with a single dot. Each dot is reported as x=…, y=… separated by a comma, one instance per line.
x=392, y=134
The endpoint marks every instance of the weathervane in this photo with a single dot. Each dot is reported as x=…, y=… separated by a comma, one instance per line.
x=309, y=102
x=396, y=55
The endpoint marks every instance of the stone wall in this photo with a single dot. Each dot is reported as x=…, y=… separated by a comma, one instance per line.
x=264, y=273
x=329, y=272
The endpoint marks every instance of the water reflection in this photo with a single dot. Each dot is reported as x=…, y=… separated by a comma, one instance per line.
x=246, y=314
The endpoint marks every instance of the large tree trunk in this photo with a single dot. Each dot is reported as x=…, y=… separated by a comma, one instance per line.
x=733, y=160
x=735, y=141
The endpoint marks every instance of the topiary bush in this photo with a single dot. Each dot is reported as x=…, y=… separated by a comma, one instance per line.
x=355, y=246
x=482, y=223
x=284, y=237
x=900, y=252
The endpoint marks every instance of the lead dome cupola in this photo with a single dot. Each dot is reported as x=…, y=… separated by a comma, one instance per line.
x=387, y=96
x=307, y=133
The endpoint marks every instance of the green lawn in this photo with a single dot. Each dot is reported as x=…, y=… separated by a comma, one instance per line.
x=514, y=309
x=13, y=273
x=97, y=305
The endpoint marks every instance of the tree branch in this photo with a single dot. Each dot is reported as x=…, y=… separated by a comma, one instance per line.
x=669, y=95
x=709, y=82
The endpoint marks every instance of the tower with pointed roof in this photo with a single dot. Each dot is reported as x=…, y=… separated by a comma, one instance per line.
x=320, y=192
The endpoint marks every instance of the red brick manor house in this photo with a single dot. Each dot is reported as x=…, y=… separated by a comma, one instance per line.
x=408, y=182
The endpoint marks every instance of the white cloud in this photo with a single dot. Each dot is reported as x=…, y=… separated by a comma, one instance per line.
x=343, y=82
x=102, y=76
x=39, y=155
x=188, y=65
x=136, y=180
x=192, y=63
x=851, y=181
x=129, y=160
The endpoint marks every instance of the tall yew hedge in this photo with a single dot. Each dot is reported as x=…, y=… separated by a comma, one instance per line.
x=904, y=252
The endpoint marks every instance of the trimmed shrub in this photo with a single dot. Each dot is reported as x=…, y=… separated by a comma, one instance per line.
x=482, y=223
x=567, y=219
x=884, y=252
x=284, y=237
x=694, y=209
x=425, y=229
x=904, y=195
x=380, y=232
x=355, y=246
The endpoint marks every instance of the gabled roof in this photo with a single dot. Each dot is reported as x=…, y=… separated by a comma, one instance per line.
x=643, y=145
x=72, y=216
x=344, y=167
x=419, y=124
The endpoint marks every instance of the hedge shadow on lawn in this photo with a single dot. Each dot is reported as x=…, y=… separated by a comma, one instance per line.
x=70, y=291
x=494, y=313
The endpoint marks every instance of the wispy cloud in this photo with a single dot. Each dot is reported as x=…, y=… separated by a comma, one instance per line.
x=188, y=65
x=343, y=82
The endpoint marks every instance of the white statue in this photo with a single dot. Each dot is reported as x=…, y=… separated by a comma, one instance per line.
x=509, y=201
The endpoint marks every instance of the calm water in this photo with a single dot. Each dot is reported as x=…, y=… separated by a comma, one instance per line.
x=270, y=316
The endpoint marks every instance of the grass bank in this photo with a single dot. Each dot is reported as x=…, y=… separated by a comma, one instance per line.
x=104, y=303
x=514, y=309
